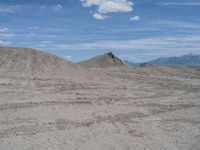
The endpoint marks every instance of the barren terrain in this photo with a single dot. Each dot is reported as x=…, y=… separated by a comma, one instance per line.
x=49, y=103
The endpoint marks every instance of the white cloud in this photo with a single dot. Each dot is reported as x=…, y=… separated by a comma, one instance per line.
x=67, y=57
x=4, y=33
x=57, y=7
x=33, y=27
x=109, y=6
x=99, y=16
x=5, y=43
x=7, y=35
x=4, y=29
x=135, y=18
x=42, y=7
x=30, y=35
x=115, y=6
x=8, y=8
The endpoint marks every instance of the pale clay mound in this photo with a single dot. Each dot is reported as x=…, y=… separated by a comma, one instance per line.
x=29, y=63
x=47, y=103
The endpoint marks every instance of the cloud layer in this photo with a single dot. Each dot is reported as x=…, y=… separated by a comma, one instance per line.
x=8, y=8
x=175, y=44
x=195, y=4
x=3, y=29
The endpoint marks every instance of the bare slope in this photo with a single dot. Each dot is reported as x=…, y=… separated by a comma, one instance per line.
x=170, y=70
x=106, y=60
x=146, y=108
x=30, y=63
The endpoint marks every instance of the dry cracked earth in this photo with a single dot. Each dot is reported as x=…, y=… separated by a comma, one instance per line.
x=114, y=108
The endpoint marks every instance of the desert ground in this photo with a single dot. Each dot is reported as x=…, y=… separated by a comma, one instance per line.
x=47, y=103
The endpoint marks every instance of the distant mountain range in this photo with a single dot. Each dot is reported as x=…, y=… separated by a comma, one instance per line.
x=185, y=60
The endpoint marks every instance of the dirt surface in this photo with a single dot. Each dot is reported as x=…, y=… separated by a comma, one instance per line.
x=113, y=108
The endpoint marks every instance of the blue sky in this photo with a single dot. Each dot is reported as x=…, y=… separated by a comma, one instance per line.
x=136, y=30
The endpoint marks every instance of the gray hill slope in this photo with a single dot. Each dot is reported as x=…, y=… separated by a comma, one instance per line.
x=106, y=60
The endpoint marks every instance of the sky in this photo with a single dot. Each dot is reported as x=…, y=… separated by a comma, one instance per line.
x=135, y=30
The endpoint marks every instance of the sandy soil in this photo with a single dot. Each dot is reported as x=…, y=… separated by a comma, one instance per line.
x=116, y=108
